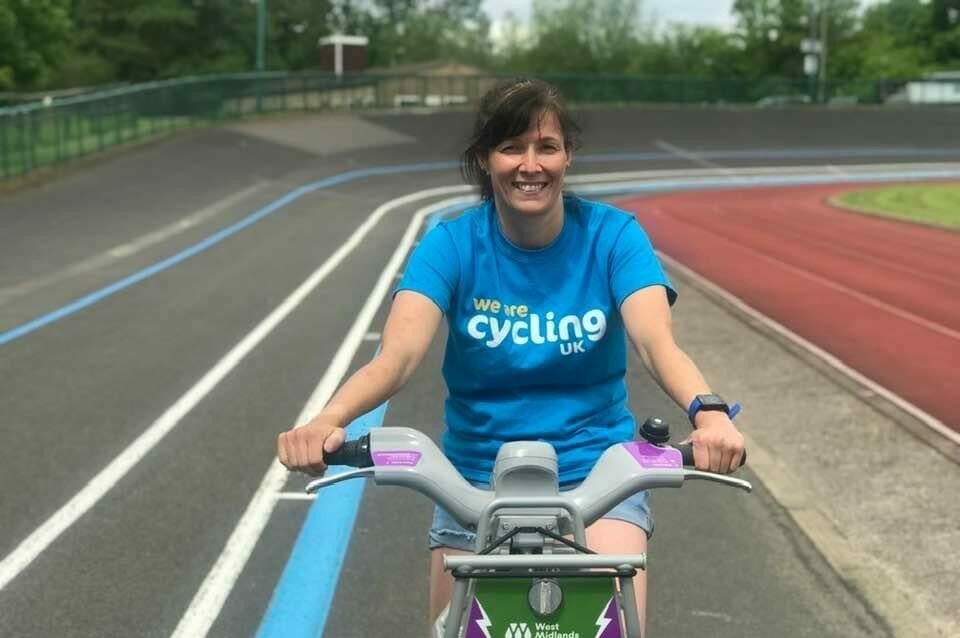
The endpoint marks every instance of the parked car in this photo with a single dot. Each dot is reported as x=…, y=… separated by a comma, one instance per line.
x=791, y=99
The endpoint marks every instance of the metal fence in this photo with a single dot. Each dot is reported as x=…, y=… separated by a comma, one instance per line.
x=56, y=130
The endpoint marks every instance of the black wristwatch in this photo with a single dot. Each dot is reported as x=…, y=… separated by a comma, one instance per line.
x=711, y=402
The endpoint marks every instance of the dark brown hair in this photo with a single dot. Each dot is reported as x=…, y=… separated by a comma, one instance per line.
x=507, y=110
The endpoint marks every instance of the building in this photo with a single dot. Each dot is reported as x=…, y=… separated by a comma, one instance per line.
x=343, y=53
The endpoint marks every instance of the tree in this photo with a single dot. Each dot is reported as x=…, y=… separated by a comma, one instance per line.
x=579, y=36
x=772, y=31
x=945, y=23
x=32, y=37
x=407, y=31
x=705, y=52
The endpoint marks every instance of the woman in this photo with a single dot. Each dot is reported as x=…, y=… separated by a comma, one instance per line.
x=539, y=290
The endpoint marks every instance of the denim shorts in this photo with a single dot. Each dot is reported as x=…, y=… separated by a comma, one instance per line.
x=445, y=531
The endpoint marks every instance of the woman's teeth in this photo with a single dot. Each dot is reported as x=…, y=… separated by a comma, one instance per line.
x=529, y=188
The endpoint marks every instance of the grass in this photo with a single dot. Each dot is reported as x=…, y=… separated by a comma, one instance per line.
x=935, y=204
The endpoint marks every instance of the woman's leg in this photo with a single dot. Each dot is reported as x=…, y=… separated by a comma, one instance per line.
x=441, y=581
x=610, y=536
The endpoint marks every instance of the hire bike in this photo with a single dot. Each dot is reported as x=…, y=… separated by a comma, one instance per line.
x=526, y=579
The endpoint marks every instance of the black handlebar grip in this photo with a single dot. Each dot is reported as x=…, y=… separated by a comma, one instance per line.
x=686, y=452
x=354, y=453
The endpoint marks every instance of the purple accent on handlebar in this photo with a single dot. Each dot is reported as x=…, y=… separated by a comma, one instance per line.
x=652, y=456
x=400, y=457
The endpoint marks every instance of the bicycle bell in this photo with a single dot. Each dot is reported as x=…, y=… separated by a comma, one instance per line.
x=655, y=430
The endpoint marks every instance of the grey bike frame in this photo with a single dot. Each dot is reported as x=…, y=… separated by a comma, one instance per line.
x=525, y=494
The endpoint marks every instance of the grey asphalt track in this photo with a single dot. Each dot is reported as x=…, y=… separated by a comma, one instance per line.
x=75, y=393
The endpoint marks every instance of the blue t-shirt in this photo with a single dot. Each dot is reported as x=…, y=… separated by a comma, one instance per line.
x=536, y=347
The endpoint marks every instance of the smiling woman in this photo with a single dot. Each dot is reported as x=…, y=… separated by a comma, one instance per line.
x=522, y=145
x=540, y=291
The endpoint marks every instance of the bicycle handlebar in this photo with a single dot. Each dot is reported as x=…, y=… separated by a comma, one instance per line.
x=356, y=453
x=686, y=453
x=406, y=457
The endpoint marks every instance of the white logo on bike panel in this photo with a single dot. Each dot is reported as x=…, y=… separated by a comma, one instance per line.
x=542, y=630
x=518, y=630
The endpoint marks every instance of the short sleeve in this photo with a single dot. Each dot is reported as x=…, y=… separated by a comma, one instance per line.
x=433, y=269
x=634, y=264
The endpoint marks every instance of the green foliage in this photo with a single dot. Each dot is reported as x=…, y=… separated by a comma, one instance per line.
x=409, y=31
x=76, y=42
x=32, y=35
x=577, y=36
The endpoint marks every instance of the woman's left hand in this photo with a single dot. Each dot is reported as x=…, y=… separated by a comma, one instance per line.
x=717, y=444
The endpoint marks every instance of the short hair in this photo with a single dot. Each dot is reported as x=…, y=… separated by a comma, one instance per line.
x=507, y=110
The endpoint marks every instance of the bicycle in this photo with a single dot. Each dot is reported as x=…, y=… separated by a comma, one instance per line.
x=526, y=579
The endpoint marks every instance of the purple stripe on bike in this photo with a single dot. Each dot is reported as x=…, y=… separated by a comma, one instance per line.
x=612, y=629
x=478, y=623
x=398, y=458
x=653, y=457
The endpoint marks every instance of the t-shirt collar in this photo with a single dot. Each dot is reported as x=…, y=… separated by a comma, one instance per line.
x=535, y=254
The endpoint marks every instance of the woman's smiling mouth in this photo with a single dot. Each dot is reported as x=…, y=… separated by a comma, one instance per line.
x=530, y=187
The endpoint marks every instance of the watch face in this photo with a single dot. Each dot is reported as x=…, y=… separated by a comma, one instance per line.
x=712, y=402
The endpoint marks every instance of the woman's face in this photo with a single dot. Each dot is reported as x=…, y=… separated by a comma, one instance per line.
x=527, y=171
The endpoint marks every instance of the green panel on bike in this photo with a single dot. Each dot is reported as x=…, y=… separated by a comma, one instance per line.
x=502, y=608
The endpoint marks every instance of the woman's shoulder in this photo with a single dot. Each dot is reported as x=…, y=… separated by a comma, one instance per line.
x=469, y=221
x=601, y=216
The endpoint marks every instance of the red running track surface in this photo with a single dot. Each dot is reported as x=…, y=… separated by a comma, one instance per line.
x=882, y=296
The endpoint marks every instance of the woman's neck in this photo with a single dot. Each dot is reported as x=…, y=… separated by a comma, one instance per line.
x=531, y=231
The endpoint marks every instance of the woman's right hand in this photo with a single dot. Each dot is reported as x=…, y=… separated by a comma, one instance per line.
x=301, y=449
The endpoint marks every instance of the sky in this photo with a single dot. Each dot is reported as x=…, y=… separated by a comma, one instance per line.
x=706, y=12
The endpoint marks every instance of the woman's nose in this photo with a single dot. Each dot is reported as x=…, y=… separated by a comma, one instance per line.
x=530, y=162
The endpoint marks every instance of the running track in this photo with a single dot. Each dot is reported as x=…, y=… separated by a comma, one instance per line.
x=882, y=296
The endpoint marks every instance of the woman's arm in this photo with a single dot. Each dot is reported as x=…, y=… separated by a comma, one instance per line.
x=717, y=445
x=409, y=330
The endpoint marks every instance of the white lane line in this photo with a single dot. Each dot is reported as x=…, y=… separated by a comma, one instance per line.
x=125, y=250
x=692, y=157
x=295, y=496
x=372, y=336
x=837, y=171
x=929, y=420
x=209, y=599
x=103, y=482
x=27, y=551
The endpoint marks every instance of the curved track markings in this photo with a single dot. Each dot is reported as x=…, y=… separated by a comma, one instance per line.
x=639, y=181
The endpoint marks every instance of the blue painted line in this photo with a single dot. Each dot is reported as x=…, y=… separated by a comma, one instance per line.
x=216, y=238
x=301, y=601
x=348, y=176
